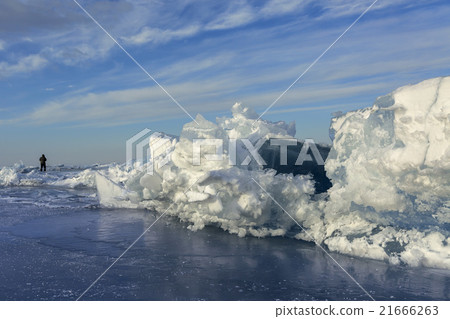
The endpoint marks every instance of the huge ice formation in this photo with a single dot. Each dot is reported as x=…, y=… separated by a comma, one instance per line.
x=389, y=166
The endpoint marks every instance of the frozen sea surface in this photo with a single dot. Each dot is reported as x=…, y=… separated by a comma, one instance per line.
x=52, y=251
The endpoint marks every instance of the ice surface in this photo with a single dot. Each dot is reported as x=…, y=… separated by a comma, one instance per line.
x=56, y=254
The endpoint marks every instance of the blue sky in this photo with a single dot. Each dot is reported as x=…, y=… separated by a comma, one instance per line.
x=67, y=90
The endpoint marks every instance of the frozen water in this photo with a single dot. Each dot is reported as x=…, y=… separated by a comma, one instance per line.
x=56, y=253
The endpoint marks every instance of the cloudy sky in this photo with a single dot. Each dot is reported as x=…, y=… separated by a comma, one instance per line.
x=69, y=91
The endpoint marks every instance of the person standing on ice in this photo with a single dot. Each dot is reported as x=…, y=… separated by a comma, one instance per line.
x=43, y=159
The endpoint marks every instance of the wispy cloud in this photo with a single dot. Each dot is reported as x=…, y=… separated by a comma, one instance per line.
x=202, y=62
x=157, y=35
x=123, y=106
x=279, y=7
x=66, y=36
x=238, y=13
x=149, y=104
x=27, y=64
x=253, y=67
x=258, y=67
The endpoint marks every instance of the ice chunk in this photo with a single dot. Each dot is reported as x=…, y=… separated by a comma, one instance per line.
x=111, y=194
x=390, y=167
x=395, y=155
x=152, y=185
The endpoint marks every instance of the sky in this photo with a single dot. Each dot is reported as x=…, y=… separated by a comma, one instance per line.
x=69, y=91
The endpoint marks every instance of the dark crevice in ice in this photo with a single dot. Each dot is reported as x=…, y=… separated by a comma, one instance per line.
x=271, y=155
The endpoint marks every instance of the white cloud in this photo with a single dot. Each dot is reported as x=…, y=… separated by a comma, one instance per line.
x=279, y=7
x=2, y=45
x=338, y=8
x=213, y=95
x=199, y=63
x=238, y=14
x=157, y=35
x=76, y=39
x=359, y=68
x=130, y=105
x=255, y=66
x=27, y=64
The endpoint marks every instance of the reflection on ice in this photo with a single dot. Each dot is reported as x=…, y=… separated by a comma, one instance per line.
x=61, y=255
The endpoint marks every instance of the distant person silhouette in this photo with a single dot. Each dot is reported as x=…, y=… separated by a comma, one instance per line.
x=43, y=159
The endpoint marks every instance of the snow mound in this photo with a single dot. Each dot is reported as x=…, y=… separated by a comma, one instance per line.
x=390, y=169
x=395, y=155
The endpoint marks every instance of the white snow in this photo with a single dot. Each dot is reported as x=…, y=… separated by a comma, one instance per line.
x=396, y=154
x=19, y=175
x=390, y=164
